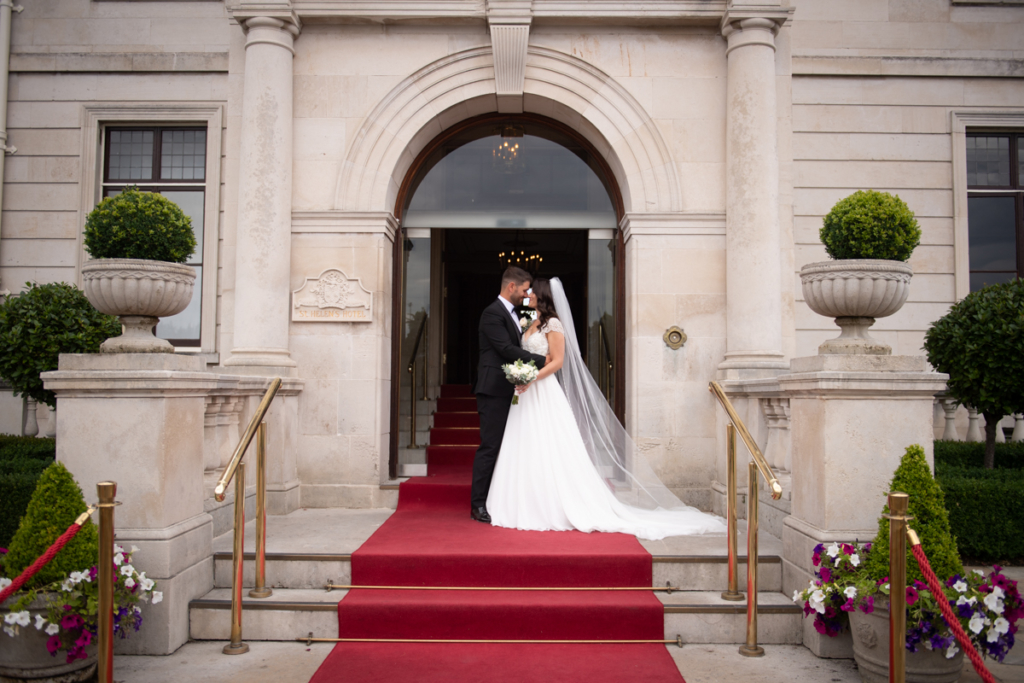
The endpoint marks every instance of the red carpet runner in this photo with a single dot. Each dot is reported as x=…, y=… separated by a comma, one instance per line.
x=431, y=541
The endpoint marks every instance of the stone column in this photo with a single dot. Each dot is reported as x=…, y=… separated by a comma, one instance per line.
x=263, y=257
x=753, y=242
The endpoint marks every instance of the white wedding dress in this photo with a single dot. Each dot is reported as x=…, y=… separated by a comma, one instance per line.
x=545, y=480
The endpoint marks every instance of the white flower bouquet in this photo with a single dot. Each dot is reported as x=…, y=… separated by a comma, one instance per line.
x=520, y=374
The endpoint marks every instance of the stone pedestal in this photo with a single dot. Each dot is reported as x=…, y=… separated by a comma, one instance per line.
x=137, y=419
x=852, y=418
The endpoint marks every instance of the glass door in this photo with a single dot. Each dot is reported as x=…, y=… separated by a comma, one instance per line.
x=414, y=338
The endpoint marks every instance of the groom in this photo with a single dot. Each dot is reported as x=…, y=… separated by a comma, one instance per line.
x=500, y=343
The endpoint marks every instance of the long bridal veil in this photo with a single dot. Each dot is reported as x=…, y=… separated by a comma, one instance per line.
x=610, y=447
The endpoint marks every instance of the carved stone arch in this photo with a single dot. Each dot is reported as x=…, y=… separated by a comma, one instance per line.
x=461, y=86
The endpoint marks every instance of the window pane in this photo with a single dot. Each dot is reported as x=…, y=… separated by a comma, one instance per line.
x=183, y=155
x=982, y=280
x=992, y=238
x=131, y=155
x=191, y=202
x=988, y=161
x=185, y=325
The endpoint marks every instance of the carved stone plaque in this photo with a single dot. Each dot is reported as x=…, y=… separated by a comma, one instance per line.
x=332, y=297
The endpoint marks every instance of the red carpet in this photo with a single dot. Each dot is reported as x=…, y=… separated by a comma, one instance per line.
x=431, y=541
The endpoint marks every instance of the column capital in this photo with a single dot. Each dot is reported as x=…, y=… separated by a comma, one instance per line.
x=744, y=17
x=280, y=15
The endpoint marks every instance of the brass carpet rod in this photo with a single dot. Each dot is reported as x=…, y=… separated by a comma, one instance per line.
x=309, y=640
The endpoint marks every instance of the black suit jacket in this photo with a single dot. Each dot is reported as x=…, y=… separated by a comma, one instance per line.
x=499, y=344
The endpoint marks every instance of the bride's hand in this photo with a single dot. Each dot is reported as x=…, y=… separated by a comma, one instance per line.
x=521, y=388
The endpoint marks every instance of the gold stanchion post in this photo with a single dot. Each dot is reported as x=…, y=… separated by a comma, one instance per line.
x=751, y=649
x=898, y=505
x=236, y=646
x=105, y=491
x=733, y=592
x=261, y=590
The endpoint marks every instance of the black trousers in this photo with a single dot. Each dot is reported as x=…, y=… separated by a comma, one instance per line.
x=493, y=416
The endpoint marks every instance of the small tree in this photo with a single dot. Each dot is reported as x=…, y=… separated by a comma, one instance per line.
x=870, y=225
x=980, y=345
x=927, y=506
x=140, y=225
x=41, y=323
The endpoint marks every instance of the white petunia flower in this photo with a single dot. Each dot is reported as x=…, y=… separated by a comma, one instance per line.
x=979, y=572
x=40, y=622
x=976, y=623
x=119, y=559
x=129, y=582
x=9, y=630
x=52, y=629
x=77, y=577
x=135, y=549
x=963, y=600
x=994, y=600
x=22, y=618
x=818, y=601
x=138, y=610
x=127, y=570
x=4, y=582
x=1001, y=626
x=833, y=550
x=67, y=585
x=993, y=635
x=855, y=560
x=850, y=592
x=10, y=617
x=118, y=548
x=960, y=586
x=796, y=596
x=147, y=584
x=951, y=652
x=158, y=596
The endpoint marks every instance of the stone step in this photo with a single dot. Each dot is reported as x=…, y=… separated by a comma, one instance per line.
x=699, y=617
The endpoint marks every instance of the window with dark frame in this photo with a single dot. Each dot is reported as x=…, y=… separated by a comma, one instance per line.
x=995, y=207
x=172, y=162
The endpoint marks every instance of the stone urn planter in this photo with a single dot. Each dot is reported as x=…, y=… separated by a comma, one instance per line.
x=855, y=292
x=139, y=292
x=871, y=652
x=25, y=657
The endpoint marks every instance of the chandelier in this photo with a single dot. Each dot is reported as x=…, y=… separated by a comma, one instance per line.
x=507, y=157
x=520, y=259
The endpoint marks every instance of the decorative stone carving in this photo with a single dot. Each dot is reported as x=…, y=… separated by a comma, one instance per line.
x=332, y=296
x=509, y=21
x=777, y=449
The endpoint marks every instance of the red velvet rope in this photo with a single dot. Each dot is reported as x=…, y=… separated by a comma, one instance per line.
x=40, y=562
x=947, y=611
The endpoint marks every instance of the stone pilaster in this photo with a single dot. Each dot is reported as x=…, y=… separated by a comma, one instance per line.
x=753, y=238
x=265, y=198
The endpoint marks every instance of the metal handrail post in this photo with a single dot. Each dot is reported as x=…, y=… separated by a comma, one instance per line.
x=236, y=646
x=751, y=648
x=898, y=505
x=412, y=405
x=105, y=492
x=733, y=593
x=260, y=590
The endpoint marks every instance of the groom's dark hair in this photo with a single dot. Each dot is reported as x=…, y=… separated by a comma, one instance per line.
x=516, y=275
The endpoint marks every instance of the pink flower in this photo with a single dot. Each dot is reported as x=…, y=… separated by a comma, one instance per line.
x=868, y=606
x=825, y=573
x=912, y=595
x=848, y=606
x=71, y=621
x=53, y=644
x=84, y=639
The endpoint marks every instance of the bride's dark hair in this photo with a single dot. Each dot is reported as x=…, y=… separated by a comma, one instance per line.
x=545, y=304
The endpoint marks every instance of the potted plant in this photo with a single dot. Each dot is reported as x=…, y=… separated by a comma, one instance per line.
x=56, y=612
x=140, y=241
x=870, y=235
x=978, y=344
x=851, y=589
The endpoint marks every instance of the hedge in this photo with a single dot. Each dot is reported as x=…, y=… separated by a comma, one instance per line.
x=1009, y=456
x=22, y=460
x=986, y=510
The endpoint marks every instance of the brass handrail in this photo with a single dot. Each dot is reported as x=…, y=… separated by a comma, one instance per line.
x=758, y=463
x=755, y=452
x=412, y=377
x=236, y=470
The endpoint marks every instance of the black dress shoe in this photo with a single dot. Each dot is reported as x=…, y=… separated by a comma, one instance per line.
x=480, y=515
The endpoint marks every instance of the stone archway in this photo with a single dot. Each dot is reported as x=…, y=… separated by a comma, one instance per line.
x=462, y=85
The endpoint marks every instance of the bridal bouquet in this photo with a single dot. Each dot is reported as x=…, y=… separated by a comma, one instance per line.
x=520, y=374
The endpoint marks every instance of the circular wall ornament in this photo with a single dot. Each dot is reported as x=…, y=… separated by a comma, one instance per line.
x=674, y=338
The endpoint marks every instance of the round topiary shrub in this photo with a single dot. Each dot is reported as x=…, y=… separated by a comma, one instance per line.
x=870, y=225
x=978, y=344
x=55, y=504
x=41, y=323
x=927, y=506
x=139, y=225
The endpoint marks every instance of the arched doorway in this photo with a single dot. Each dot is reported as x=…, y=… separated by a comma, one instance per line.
x=491, y=191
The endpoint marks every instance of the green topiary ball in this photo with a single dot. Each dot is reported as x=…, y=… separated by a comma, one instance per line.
x=55, y=504
x=141, y=225
x=870, y=225
x=41, y=323
x=927, y=506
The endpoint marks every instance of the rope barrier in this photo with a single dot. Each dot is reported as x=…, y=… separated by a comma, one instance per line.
x=947, y=612
x=45, y=558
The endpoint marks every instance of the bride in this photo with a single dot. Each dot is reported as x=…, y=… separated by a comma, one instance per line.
x=565, y=461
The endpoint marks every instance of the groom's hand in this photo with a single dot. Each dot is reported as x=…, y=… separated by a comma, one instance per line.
x=547, y=359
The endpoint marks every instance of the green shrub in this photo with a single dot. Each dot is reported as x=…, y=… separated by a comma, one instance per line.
x=55, y=504
x=15, y=492
x=870, y=225
x=931, y=522
x=978, y=344
x=41, y=323
x=964, y=454
x=17, y=447
x=986, y=511
x=142, y=225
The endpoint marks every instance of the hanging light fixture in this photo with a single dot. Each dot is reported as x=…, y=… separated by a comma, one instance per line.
x=520, y=258
x=507, y=156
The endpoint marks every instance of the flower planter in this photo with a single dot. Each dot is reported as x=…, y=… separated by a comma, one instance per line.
x=871, y=652
x=855, y=292
x=139, y=292
x=25, y=657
